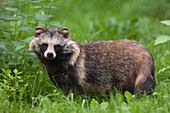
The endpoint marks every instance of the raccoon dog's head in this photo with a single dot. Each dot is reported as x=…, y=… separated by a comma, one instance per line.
x=54, y=44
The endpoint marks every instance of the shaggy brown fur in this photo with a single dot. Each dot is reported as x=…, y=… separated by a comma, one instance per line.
x=95, y=67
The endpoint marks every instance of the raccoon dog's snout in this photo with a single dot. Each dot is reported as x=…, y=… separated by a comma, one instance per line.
x=49, y=55
x=50, y=52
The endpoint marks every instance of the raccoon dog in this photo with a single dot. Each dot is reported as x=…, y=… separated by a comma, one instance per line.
x=94, y=67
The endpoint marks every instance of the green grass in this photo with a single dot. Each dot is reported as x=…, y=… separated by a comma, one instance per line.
x=24, y=84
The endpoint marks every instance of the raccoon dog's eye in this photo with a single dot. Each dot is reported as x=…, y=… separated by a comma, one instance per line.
x=57, y=48
x=37, y=34
x=43, y=46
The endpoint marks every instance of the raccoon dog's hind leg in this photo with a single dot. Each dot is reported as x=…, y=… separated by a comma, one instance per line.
x=147, y=85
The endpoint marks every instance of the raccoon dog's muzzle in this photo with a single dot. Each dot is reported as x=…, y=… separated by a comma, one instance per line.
x=50, y=53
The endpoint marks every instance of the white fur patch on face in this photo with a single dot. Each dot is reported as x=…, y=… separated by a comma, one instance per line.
x=50, y=58
x=50, y=52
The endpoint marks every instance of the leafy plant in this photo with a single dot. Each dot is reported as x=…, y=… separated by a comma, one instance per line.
x=19, y=66
x=163, y=38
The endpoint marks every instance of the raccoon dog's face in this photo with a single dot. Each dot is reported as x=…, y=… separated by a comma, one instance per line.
x=54, y=44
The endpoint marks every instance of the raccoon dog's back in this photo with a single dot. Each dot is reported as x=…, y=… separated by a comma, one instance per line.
x=95, y=67
x=124, y=63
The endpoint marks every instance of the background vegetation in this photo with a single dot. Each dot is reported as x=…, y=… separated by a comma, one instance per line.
x=25, y=86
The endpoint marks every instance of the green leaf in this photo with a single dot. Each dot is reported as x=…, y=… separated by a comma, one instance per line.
x=2, y=49
x=104, y=105
x=35, y=7
x=28, y=40
x=19, y=45
x=13, y=62
x=5, y=17
x=9, y=47
x=21, y=93
x=163, y=69
x=128, y=95
x=156, y=93
x=55, y=23
x=25, y=1
x=162, y=39
x=27, y=29
x=72, y=97
x=30, y=56
x=11, y=9
x=32, y=22
x=42, y=17
x=37, y=1
x=83, y=103
x=93, y=103
x=9, y=2
x=15, y=71
x=8, y=35
x=166, y=22
x=119, y=97
x=51, y=7
x=7, y=72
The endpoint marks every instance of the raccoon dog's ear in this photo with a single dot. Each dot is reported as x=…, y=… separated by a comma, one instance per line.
x=39, y=30
x=64, y=31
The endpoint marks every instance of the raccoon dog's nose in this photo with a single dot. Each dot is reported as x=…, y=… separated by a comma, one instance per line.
x=50, y=55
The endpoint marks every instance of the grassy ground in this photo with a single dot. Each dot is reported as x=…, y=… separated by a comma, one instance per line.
x=23, y=82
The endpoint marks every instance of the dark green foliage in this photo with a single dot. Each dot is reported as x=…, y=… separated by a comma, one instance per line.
x=24, y=84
